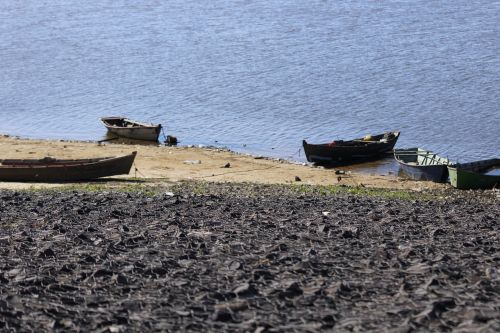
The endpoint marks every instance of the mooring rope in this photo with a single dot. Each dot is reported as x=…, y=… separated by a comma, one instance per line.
x=164, y=136
x=105, y=140
x=238, y=171
x=296, y=153
x=136, y=170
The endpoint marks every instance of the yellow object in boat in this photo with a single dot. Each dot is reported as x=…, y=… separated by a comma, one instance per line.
x=368, y=138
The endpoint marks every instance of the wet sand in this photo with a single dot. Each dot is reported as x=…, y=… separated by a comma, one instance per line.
x=159, y=164
x=247, y=258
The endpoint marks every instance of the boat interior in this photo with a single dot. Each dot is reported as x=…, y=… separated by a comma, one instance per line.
x=48, y=161
x=121, y=122
x=380, y=138
x=490, y=166
x=124, y=122
x=421, y=157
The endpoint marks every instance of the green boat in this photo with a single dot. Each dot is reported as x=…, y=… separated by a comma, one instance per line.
x=475, y=175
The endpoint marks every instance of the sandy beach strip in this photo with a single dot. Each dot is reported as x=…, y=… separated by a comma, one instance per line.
x=157, y=164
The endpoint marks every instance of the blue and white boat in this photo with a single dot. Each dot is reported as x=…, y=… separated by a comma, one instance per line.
x=421, y=164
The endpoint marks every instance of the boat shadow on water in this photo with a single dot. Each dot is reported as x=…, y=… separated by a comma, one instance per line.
x=112, y=138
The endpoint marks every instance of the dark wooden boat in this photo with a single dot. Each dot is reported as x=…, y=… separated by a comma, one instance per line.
x=131, y=129
x=54, y=170
x=420, y=164
x=475, y=175
x=340, y=152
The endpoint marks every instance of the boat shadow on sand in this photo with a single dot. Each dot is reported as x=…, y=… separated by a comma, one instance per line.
x=109, y=181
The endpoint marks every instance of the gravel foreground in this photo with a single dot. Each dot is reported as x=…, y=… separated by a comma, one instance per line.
x=247, y=258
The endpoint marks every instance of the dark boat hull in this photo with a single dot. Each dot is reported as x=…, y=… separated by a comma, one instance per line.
x=135, y=130
x=343, y=152
x=435, y=173
x=50, y=170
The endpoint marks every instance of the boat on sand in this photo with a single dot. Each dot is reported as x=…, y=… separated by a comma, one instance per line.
x=475, y=175
x=421, y=164
x=343, y=152
x=49, y=169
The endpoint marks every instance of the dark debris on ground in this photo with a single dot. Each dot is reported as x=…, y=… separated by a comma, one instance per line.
x=246, y=259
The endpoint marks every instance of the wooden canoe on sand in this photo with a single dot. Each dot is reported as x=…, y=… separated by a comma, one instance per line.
x=50, y=169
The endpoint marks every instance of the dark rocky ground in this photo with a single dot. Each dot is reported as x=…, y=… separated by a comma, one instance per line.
x=247, y=258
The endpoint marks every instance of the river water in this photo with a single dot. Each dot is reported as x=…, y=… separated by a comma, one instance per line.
x=257, y=76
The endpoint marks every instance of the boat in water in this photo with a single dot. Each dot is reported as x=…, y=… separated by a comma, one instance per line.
x=475, y=175
x=49, y=169
x=343, y=152
x=420, y=164
x=127, y=128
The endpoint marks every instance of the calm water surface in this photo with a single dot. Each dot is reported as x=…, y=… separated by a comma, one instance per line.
x=257, y=76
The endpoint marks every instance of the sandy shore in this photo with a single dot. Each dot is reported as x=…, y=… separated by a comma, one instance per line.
x=171, y=164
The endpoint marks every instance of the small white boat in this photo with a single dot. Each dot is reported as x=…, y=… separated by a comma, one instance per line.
x=131, y=129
